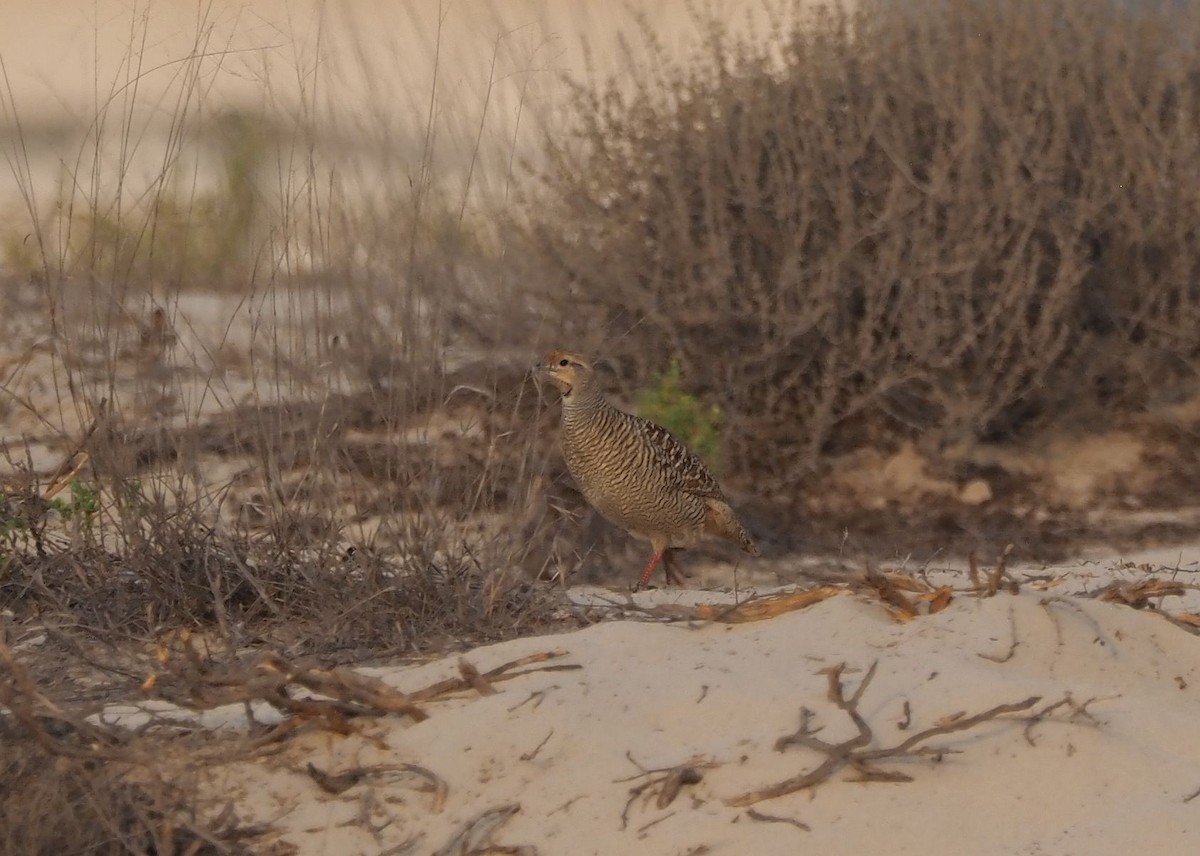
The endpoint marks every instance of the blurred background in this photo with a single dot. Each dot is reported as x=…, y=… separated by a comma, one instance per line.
x=479, y=66
x=918, y=279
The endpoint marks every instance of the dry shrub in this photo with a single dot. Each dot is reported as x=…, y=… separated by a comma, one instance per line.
x=953, y=219
x=315, y=471
x=283, y=558
x=304, y=459
x=50, y=804
x=70, y=784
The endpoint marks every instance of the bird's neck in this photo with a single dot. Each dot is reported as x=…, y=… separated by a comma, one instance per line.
x=581, y=400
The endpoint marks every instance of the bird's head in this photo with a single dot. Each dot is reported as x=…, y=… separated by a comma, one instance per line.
x=566, y=371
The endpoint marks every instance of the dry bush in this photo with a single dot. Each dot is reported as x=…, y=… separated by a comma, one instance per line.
x=74, y=785
x=141, y=546
x=953, y=219
x=313, y=463
x=50, y=804
x=307, y=466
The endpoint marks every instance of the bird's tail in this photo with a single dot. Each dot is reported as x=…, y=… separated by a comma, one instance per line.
x=722, y=521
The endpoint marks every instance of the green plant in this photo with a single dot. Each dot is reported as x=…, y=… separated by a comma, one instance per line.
x=84, y=501
x=682, y=413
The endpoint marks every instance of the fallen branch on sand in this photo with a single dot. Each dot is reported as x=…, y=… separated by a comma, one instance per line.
x=902, y=594
x=753, y=608
x=663, y=783
x=193, y=680
x=857, y=752
x=424, y=779
x=475, y=836
x=1138, y=594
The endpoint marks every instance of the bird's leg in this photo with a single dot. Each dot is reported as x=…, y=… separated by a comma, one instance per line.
x=674, y=571
x=645, y=577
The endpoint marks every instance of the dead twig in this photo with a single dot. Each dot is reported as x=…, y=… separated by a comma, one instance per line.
x=1012, y=646
x=334, y=784
x=404, y=847
x=500, y=673
x=989, y=585
x=532, y=753
x=767, y=606
x=755, y=814
x=193, y=680
x=537, y=697
x=753, y=608
x=890, y=593
x=426, y=780
x=663, y=783
x=1188, y=621
x=77, y=459
x=475, y=836
x=855, y=751
x=1138, y=594
x=57, y=730
x=903, y=594
x=107, y=777
x=1078, y=713
x=1057, y=600
x=652, y=823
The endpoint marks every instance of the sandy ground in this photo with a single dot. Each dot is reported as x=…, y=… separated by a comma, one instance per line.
x=1105, y=761
x=552, y=760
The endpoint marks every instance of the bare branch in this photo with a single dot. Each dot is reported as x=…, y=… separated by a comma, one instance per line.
x=855, y=751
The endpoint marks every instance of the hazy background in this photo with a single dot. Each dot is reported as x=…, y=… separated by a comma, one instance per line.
x=489, y=74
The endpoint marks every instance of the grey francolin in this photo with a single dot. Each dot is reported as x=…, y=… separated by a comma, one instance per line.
x=635, y=473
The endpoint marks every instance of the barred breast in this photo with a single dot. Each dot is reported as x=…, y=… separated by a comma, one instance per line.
x=637, y=475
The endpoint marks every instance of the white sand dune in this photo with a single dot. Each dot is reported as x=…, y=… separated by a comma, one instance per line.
x=1110, y=774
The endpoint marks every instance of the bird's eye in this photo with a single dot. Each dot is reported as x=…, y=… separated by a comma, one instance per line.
x=564, y=362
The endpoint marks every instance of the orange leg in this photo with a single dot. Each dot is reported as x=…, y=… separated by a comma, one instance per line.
x=645, y=577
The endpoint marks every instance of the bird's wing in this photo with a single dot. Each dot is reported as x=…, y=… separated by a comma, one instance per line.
x=685, y=470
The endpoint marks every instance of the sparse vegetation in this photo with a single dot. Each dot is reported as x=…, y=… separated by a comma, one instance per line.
x=952, y=222
x=957, y=221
